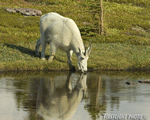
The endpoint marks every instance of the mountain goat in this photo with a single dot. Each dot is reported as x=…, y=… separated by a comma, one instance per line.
x=63, y=33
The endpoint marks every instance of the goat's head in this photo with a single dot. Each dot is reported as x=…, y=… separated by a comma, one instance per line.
x=83, y=58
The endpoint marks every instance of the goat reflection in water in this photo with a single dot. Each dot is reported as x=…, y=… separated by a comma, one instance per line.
x=60, y=103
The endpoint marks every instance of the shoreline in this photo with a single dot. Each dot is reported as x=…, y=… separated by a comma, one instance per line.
x=89, y=70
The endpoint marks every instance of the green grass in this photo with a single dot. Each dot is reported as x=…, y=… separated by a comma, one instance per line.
x=124, y=46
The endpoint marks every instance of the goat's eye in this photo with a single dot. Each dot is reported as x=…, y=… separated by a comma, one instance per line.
x=81, y=58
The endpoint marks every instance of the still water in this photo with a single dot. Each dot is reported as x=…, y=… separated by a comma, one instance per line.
x=73, y=96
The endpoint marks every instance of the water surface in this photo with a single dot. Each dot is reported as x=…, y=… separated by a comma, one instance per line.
x=72, y=96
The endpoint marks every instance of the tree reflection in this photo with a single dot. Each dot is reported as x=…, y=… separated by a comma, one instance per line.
x=96, y=103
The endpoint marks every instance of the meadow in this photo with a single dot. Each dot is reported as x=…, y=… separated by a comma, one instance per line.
x=125, y=44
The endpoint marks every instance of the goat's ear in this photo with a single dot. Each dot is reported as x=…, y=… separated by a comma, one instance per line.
x=88, y=51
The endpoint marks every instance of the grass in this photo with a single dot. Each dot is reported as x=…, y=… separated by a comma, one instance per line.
x=124, y=46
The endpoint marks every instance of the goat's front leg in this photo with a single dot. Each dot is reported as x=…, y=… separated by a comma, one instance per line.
x=69, y=55
x=43, y=49
x=52, y=52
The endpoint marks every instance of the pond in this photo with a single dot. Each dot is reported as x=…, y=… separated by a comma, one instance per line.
x=75, y=96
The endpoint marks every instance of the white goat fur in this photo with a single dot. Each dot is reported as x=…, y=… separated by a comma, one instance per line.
x=63, y=33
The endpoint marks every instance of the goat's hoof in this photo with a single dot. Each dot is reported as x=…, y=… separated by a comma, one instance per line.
x=72, y=68
x=50, y=59
x=43, y=59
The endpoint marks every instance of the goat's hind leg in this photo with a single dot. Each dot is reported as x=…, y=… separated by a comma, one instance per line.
x=38, y=43
x=43, y=43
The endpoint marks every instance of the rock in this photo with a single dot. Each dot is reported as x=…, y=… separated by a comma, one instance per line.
x=128, y=83
x=11, y=10
x=144, y=81
x=25, y=11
